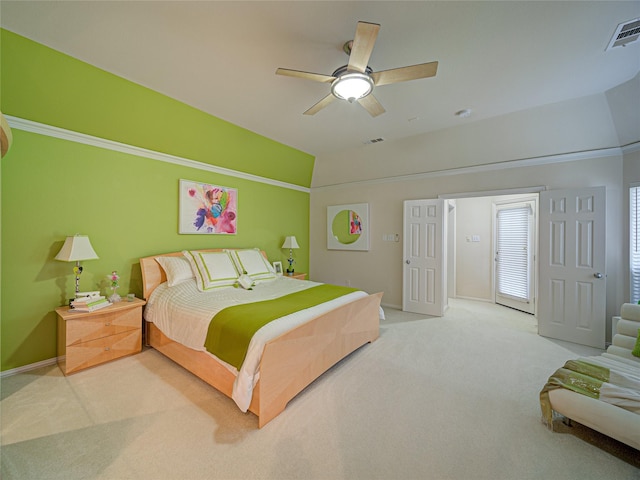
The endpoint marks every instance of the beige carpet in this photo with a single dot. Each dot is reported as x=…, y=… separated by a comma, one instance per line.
x=433, y=398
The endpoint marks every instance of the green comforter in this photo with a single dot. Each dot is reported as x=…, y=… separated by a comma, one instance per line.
x=231, y=329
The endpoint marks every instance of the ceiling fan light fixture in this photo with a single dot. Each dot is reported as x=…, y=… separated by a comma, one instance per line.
x=352, y=86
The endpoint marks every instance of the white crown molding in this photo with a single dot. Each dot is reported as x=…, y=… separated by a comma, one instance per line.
x=632, y=147
x=490, y=167
x=493, y=193
x=56, y=132
x=61, y=133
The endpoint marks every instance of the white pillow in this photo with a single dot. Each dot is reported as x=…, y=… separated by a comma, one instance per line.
x=253, y=263
x=212, y=269
x=177, y=269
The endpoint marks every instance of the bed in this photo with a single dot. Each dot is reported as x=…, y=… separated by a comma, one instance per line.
x=602, y=392
x=288, y=360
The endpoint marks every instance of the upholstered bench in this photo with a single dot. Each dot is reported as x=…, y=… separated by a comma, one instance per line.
x=602, y=392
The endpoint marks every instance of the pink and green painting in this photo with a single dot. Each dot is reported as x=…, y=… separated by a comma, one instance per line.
x=207, y=209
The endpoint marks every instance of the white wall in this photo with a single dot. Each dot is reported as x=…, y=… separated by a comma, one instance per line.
x=624, y=102
x=474, y=259
x=573, y=126
x=469, y=158
x=380, y=269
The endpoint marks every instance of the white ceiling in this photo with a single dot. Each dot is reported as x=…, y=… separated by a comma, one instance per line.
x=494, y=57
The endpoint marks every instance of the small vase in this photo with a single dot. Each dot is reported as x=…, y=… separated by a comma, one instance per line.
x=114, y=298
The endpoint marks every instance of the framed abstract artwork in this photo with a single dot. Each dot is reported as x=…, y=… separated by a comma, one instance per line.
x=348, y=227
x=207, y=209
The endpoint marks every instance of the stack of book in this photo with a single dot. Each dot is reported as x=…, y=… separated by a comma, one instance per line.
x=89, y=303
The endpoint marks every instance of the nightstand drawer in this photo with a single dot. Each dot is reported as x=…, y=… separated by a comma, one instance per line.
x=94, y=352
x=102, y=325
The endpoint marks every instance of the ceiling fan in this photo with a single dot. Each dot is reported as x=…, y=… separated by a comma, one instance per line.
x=355, y=81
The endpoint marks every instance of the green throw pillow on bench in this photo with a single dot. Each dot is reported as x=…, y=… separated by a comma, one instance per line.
x=636, y=350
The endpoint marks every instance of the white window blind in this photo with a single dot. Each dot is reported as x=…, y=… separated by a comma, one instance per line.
x=513, y=252
x=634, y=242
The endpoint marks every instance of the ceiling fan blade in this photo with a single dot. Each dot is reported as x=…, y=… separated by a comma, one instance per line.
x=372, y=105
x=316, y=77
x=405, y=74
x=365, y=39
x=320, y=105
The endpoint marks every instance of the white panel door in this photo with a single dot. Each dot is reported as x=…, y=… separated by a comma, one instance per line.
x=572, y=300
x=423, y=272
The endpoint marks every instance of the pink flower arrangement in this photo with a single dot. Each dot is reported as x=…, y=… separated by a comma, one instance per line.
x=114, y=277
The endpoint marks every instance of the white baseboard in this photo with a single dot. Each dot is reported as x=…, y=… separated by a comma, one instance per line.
x=388, y=305
x=27, y=368
x=475, y=299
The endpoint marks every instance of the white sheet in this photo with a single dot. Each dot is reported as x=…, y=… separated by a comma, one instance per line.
x=183, y=314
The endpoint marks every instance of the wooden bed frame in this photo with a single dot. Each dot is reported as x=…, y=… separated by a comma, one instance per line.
x=289, y=362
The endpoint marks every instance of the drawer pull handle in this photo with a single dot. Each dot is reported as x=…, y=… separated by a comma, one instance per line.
x=106, y=349
x=107, y=324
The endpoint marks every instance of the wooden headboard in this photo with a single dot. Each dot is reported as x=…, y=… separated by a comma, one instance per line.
x=153, y=274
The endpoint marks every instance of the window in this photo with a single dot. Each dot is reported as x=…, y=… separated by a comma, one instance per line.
x=634, y=242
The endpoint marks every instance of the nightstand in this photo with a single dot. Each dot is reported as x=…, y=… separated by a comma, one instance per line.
x=297, y=276
x=87, y=339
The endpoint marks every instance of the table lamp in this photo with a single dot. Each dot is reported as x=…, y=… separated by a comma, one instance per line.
x=290, y=243
x=76, y=249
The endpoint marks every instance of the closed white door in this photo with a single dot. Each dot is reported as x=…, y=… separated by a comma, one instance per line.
x=514, y=255
x=572, y=300
x=423, y=285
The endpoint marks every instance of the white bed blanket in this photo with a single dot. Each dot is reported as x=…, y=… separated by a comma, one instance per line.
x=183, y=314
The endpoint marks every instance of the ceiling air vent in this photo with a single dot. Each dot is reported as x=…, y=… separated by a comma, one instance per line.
x=373, y=140
x=627, y=32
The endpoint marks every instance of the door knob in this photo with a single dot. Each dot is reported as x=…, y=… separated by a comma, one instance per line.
x=407, y=262
x=597, y=275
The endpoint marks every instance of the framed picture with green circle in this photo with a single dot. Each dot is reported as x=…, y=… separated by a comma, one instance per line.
x=348, y=227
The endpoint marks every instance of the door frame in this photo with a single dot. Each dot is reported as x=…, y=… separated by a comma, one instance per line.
x=534, y=191
x=537, y=190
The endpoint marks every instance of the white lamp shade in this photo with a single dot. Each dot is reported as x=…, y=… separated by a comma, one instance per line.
x=76, y=248
x=290, y=242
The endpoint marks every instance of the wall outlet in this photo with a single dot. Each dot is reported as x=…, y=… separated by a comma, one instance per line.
x=475, y=238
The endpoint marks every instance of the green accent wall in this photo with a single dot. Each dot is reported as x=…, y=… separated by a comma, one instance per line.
x=126, y=204
x=49, y=87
